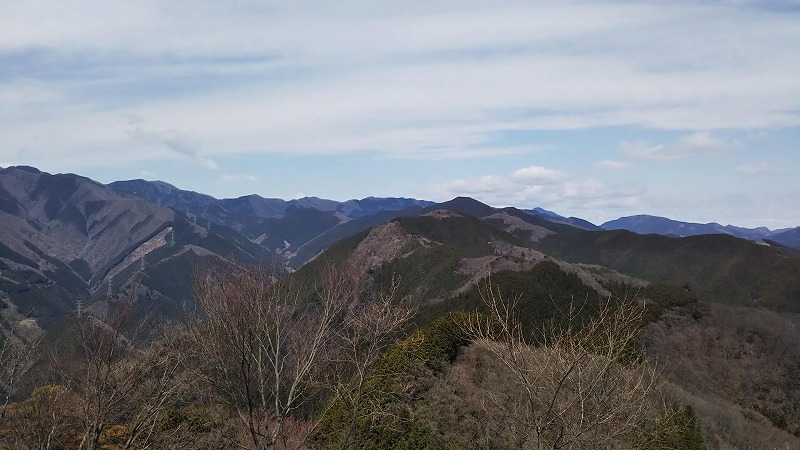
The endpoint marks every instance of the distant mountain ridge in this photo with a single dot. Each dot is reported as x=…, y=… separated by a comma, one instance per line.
x=259, y=211
x=790, y=237
x=167, y=195
x=286, y=227
x=646, y=224
x=574, y=221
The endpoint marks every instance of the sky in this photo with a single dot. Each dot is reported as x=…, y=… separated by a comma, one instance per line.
x=594, y=109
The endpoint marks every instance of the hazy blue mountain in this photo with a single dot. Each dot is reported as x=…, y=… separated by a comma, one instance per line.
x=162, y=193
x=574, y=221
x=373, y=205
x=165, y=194
x=546, y=213
x=645, y=224
x=789, y=237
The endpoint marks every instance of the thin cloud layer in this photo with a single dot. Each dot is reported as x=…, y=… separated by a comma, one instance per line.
x=537, y=185
x=757, y=169
x=350, y=76
x=614, y=165
x=692, y=145
x=470, y=88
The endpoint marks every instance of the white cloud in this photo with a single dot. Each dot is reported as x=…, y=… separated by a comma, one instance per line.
x=237, y=178
x=350, y=76
x=483, y=186
x=177, y=142
x=613, y=165
x=537, y=176
x=695, y=144
x=756, y=169
x=524, y=188
x=432, y=153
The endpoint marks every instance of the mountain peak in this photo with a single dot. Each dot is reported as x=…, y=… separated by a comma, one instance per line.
x=465, y=205
x=28, y=169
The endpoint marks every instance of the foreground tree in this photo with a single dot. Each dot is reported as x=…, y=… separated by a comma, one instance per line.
x=122, y=387
x=46, y=419
x=267, y=344
x=583, y=386
x=366, y=332
x=17, y=355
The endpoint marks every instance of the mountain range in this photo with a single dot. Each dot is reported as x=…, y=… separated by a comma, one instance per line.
x=68, y=240
x=721, y=296
x=236, y=211
x=644, y=224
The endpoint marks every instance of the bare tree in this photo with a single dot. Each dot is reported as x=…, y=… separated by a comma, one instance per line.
x=264, y=344
x=366, y=332
x=583, y=386
x=17, y=355
x=271, y=345
x=120, y=385
x=45, y=420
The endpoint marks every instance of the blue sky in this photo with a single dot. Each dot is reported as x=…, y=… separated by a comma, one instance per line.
x=597, y=109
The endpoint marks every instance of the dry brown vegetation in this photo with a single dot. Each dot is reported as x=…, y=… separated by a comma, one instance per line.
x=268, y=351
x=17, y=354
x=267, y=363
x=577, y=383
x=738, y=367
x=255, y=369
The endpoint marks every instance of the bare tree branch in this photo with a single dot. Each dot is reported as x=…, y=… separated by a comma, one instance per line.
x=582, y=385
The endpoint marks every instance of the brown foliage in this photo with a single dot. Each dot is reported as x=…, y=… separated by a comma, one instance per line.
x=738, y=367
x=270, y=347
x=579, y=387
x=46, y=419
x=17, y=355
x=116, y=382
